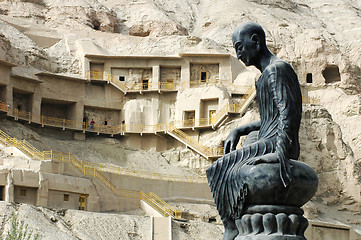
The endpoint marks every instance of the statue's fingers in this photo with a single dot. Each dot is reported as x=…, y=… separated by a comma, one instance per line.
x=226, y=148
x=258, y=160
x=233, y=146
x=250, y=162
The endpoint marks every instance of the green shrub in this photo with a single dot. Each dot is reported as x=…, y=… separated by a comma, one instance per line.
x=19, y=231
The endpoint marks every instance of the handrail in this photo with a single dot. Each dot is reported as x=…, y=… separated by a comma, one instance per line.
x=311, y=100
x=53, y=155
x=136, y=128
x=152, y=199
x=97, y=75
x=234, y=107
x=160, y=205
x=139, y=128
x=207, y=151
x=23, y=146
x=144, y=174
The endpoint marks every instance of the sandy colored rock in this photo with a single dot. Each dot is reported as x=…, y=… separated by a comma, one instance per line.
x=157, y=29
x=314, y=36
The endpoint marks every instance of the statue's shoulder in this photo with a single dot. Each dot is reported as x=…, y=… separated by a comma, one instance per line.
x=281, y=69
x=278, y=66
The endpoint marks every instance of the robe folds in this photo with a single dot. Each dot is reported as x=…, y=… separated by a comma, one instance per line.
x=279, y=100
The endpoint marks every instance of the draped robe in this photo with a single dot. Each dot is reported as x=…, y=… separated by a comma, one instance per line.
x=280, y=106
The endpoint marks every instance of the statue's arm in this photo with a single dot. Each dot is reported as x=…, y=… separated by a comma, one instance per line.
x=233, y=138
x=282, y=96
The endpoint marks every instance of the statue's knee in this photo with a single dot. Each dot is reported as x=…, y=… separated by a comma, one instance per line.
x=251, y=138
x=230, y=229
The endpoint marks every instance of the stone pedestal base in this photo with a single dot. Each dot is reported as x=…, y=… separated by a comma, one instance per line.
x=271, y=237
x=272, y=222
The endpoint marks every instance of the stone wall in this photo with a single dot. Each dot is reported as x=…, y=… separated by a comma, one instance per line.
x=58, y=96
x=25, y=195
x=58, y=110
x=102, y=116
x=103, y=96
x=22, y=101
x=5, y=90
x=148, y=109
x=59, y=185
x=318, y=230
x=200, y=100
x=211, y=72
x=63, y=199
x=133, y=77
x=171, y=73
x=153, y=142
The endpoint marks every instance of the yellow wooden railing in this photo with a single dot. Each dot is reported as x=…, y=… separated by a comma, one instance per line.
x=311, y=100
x=138, y=128
x=107, y=129
x=23, y=146
x=192, y=122
x=180, y=85
x=34, y=153
x=234, y=107
x=160, y=205
x=53, y=121
x=144, y=174
x=97, y=75
x=87, y=169
x=188, y=140
x=130, y=128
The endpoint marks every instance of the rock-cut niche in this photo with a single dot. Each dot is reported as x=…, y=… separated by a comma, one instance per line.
x=331, y=74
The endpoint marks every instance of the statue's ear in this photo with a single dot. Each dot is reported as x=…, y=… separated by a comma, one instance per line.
x=255, y=38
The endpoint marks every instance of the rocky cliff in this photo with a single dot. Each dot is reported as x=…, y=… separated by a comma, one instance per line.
x=309, y=34
x=321, y=38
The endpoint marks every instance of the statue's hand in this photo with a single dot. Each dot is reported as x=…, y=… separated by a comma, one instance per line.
x=267, y=158
x=232, y=140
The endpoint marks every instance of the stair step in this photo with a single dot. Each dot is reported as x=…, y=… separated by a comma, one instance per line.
x=162, y=228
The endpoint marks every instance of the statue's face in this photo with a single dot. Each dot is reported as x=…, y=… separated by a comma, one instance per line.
x=246, y=49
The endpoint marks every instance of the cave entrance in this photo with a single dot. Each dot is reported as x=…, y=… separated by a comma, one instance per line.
x=82, y=202
x=189, y=118
x=331, y=74
x=22, y=100
x=96, y=25
x=145, y=84
x=96, y=70
x=2, y=193
x=203, y=77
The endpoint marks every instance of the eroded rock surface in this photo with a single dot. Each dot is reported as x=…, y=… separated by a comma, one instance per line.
x=315, y=36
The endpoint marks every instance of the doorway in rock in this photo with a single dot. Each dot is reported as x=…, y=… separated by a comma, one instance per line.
x=82, y=202
x=2, y=193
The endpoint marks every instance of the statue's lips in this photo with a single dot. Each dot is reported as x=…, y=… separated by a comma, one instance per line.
x=244, y=60
x=241, y=58
x=264, y=185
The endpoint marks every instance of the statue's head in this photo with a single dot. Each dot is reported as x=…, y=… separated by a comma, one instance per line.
x=249, y=41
